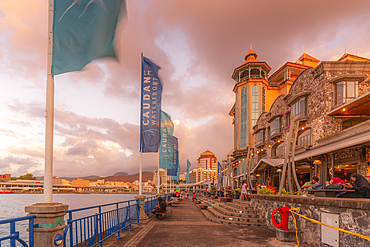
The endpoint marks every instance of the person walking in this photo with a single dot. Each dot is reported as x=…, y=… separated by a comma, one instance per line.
x=244, y=191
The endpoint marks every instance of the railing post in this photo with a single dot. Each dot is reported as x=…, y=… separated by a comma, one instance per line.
x=100, y=227
x=69, y=221
x=12, y=231
x=50, y=221
x=30, y=230
x=129, y=215
x=119, y=229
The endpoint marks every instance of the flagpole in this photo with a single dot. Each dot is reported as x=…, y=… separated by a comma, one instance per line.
x=49, y=116
x=158, y=178
x=141, y=146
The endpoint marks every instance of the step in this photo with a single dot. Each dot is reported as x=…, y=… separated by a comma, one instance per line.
x=214, y=219
x=238, y=210
x=244, y=207
x=219, y=215
x=234, y=214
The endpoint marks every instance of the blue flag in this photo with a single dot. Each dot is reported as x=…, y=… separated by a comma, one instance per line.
x=83, y=30
x=166, y=147
x=219, y=168
x=151, y=98
x=187, y=171
x=175, y=170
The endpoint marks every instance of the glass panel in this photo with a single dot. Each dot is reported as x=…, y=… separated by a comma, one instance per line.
x=255, y=104
x=351, y=89
x=305, y=138
x=339, y=94
x=275, y=126
x=237, y=120
x=243, y=118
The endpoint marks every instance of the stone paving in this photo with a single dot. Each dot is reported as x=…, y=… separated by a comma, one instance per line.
x=187, y=226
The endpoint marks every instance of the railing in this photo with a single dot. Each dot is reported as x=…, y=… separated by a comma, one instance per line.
x=91, y=229
x=150, y=203
x=14, y=235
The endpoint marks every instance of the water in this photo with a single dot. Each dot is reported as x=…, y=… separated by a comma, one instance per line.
x=13, y=205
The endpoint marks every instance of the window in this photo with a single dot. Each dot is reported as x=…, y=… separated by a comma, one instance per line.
x=304, y=139
x=287, y=120
x=263, y=99
x=255, y=103
x=278, y=150
x=345, y=91
x=299, y=108
x=275, y=126
x=243, y=117
x=352, y=122
x=260, y=136
x=236, y=120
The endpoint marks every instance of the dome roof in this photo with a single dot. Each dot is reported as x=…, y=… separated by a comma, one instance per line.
x=207, y=153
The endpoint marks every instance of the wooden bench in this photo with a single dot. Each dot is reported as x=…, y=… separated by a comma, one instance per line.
x=203, y=206
x=225, y=199
x=161, y=214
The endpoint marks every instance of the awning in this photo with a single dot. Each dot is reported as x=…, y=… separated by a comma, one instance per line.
x=357, y=107
x=264, y=163
x=324, y=149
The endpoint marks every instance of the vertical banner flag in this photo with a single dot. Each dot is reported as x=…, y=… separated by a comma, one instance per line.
x=151, y=98
x=82, y=31
x=166, y=146
x=219, y=168
x=174, y=172
x=187, y=171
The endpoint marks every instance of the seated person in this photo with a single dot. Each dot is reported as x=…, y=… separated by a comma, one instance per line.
x=271, y=187
x=336, y=183
x=360, y=185
x=313, y=184
x=161, y=207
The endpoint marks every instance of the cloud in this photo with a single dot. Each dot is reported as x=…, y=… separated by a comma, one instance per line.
x=198, y=44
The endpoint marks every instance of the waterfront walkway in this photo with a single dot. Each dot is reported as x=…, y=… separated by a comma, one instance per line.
x=187, y=226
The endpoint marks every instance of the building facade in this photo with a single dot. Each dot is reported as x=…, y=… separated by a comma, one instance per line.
x=255, y=93
x=331, y=105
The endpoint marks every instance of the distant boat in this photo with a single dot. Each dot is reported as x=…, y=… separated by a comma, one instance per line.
x=6, y=192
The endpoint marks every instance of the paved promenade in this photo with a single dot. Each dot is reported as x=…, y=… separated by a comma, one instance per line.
x=187, y=226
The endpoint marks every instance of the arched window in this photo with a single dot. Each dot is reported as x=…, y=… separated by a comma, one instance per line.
x=255, y=72
x=304, y=139
x=278, y=150
x=299, y=108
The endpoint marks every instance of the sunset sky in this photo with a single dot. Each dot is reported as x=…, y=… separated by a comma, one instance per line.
x=197, y=43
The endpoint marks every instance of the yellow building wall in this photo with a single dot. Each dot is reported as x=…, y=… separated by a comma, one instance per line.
x=271, y=95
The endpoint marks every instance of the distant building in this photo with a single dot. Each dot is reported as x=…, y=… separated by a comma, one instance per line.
x=162, y=178
x=206, y=168
x=182, y=176
x=57, y=180
x=6, y=177
x=80, y=181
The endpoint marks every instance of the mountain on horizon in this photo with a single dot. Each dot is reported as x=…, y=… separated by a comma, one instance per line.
x=118, y=176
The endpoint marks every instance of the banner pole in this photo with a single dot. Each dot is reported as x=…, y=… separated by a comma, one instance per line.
x=49, y=116
x=141, y=145
x=158, y=179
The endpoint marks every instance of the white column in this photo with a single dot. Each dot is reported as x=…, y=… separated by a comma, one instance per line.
x=49, y=126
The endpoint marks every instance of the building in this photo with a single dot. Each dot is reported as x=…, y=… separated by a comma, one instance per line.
x=57, y=180
x=206, y=168
x=162, y=177
x=182, y=176
x=255, y=93
x=80, y=182
x=327, y=108
x=6, y=177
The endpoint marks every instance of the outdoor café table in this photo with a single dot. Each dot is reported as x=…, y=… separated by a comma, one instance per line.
x=327, y=192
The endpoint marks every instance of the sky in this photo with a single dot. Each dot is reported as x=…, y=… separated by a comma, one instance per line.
x=197, y=43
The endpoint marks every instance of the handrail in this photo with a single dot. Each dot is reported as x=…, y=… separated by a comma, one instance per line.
x=95, y=228
x=14, y=235
x=97, y=206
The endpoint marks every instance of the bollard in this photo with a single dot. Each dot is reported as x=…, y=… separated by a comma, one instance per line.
x=48, y=224
x=283, y=234
x=143, y=219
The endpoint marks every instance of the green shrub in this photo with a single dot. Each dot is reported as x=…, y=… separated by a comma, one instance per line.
x=266, y=191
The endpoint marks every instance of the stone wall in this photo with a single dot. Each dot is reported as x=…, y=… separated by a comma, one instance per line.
x=354, y=216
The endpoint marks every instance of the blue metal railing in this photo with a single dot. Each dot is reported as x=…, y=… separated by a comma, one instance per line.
x=14, y=235
x=92, y=228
